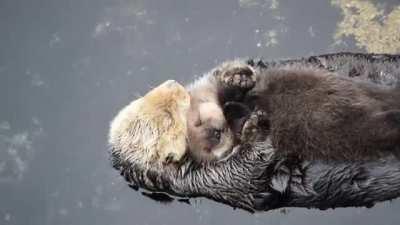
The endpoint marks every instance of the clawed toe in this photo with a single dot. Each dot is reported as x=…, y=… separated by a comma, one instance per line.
x=237, y=74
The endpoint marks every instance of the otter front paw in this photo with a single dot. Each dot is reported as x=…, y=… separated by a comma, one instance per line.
x=255, y=127
x=236, y=74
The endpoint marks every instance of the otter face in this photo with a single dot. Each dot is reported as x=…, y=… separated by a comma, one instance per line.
x=152, y=130
x=209, y=136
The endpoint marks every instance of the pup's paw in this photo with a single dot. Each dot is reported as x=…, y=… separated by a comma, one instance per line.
x=255, y=125
x=236, y=74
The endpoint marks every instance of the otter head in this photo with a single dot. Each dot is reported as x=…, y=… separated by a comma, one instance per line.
x=152, y=130
x=209, y=136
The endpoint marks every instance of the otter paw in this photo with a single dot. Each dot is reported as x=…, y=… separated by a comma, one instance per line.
x=236, y=74
x=250, y=127
x=256, y=125
x=261, y=115
x=170, y=158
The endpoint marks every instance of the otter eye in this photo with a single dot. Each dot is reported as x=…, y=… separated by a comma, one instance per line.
x=217, y=133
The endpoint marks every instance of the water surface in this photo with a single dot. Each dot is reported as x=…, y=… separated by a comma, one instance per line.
x=67, y=67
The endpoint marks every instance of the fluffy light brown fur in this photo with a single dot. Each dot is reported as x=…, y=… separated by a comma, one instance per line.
x=152, y=130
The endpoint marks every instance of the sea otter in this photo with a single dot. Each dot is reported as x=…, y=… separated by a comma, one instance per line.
x=171, y=122
x=256, y=178
x=308, y=112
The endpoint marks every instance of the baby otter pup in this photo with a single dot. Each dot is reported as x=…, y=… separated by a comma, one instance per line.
x=211, y=136
x=315, y=114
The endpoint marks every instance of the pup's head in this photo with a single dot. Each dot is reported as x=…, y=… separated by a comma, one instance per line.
x=152, y=130
x=209, y=136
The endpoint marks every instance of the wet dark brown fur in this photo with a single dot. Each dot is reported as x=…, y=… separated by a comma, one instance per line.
x=314, y=114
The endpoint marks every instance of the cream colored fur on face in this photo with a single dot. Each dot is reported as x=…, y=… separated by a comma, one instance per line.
x=152, y=130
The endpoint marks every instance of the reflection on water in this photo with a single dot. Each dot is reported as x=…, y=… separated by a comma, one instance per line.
x=67, y=67
x=16, y=150
x=272, y=4
x=269, y=37
x=374, y=26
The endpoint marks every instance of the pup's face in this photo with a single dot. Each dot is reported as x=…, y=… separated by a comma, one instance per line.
x=209, y=136
x=152, y=130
